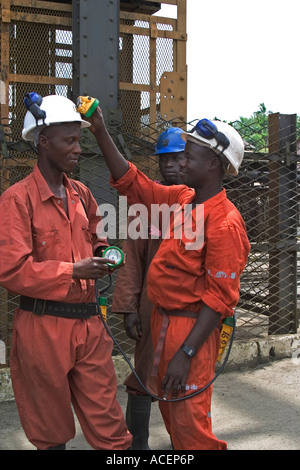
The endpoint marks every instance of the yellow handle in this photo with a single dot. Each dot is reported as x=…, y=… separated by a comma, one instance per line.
x=104, y=311
x=225, y=334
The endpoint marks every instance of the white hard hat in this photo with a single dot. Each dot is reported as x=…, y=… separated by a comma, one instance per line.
x=58, y=110
x=223, y=139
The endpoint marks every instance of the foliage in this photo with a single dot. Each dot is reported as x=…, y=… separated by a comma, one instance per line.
x=254, y=129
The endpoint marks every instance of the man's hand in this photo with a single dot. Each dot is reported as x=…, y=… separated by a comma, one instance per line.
x=91, y=268
x=179, y=365
x=96, y=121
x=132, y=326
x=176, y=374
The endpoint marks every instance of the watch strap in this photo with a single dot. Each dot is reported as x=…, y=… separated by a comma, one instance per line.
x=188, y=350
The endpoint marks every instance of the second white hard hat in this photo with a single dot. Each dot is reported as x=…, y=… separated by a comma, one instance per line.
x=223, y=139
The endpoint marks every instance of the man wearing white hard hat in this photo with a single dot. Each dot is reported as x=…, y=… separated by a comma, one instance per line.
x=223, y=139
x=51, y=255
x=193, y=288
x=130, y=296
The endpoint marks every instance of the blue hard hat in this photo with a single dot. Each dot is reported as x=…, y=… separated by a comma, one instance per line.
x=170, y=141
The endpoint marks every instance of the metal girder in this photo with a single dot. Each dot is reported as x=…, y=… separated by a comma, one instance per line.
x=96, y=28
x=283, y=215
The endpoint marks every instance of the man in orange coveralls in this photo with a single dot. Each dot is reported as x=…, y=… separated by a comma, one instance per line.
x=49, y=250
x=130, y=297
x=192, y=290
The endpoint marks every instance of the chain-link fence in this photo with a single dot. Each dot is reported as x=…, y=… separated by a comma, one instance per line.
x=37, y=54
x=266, y=192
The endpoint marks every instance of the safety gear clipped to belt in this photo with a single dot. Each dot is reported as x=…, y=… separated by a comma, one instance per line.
x=103, y=306
x=225, y=334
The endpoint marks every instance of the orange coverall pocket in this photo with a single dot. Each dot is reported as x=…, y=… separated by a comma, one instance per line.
x=44, y=243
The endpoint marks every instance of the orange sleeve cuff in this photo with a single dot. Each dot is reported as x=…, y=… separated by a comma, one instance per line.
x=216, y=304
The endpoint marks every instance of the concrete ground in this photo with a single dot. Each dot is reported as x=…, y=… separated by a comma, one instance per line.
x=253, y=409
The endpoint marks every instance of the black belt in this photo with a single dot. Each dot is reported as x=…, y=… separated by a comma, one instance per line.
x=58, y=309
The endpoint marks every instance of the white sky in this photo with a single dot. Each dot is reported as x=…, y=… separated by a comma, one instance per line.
x=241, y=53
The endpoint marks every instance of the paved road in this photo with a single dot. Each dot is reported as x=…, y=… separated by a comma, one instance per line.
x=254, y=409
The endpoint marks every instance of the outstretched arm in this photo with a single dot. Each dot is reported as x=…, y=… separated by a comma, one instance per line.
x=115, y=161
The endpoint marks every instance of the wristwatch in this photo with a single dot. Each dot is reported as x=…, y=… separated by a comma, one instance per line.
x=189, y=350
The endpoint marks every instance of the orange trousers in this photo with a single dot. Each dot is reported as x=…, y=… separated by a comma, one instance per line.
x=55, y=362
x=189, y=421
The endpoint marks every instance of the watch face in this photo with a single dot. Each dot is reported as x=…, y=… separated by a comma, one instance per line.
x=189, y=350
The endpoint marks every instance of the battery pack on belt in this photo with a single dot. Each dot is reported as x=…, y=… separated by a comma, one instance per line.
x=58, y=309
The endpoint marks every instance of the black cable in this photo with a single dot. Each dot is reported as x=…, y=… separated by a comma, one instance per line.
x=185, y=397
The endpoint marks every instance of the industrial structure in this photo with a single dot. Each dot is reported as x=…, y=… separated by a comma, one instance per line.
x=134, y=61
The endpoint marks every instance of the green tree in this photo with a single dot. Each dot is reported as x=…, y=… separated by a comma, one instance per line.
x=254, y=129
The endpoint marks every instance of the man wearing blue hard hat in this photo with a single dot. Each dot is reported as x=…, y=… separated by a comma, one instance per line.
x=170, y=148
x=130, y=296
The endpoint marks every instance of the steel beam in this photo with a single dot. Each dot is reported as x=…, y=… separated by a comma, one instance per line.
x=283, y=225
x=96, y=28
